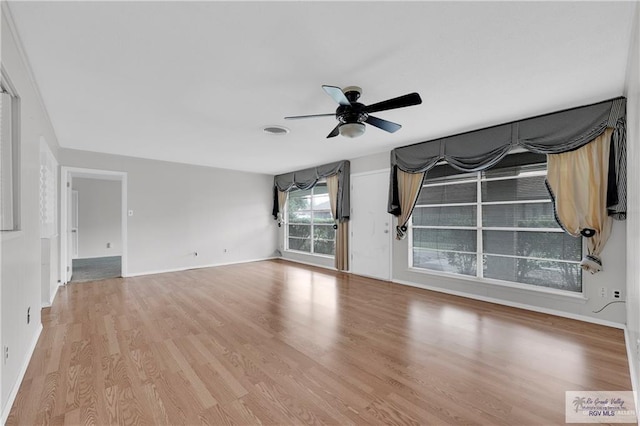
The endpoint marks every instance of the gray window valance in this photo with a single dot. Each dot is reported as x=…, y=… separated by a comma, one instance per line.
x=307, y=178
x=553, y=133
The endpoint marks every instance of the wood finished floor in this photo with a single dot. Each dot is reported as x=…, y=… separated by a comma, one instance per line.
x=279, y=343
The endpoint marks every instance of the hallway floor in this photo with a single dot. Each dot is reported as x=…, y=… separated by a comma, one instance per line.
x=99, y=268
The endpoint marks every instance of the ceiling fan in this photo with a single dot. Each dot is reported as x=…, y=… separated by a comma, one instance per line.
x=352, y=115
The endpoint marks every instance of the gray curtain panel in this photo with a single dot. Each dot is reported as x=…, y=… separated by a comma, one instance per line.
x=553, y=133
x=307, y=179
x=617, y=185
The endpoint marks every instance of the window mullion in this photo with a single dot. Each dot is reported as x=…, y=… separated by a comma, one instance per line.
x=410, y=257
x=532, y=173
x=479, y=249
x=311, y=234
x=445, y=205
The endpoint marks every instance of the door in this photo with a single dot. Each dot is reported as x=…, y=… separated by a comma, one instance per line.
x=74, y=224
x=370, y=225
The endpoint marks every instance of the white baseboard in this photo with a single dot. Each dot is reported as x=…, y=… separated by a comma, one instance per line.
x=632, y=369
x=514, y=304
x=16, y=386
x=53, y=297
x=187, y=268
x=55, y=293
x=99, y=256
x=302, y=262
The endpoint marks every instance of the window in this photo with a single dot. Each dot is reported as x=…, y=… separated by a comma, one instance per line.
x=310, y=225
x=9, y=157
x=498, y=224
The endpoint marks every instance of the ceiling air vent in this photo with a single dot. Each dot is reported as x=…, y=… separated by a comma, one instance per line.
x=275, y=130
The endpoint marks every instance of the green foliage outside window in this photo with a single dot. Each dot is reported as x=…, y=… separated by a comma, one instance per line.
x=310, y=224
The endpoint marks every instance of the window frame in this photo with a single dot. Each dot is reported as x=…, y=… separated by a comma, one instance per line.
x=479, y=179
x=16, y=183
x=311, y=224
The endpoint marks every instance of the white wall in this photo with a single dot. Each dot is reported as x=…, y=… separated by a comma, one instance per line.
x=99, y=217
x=633, y=191
x=369, y=163
x=180, y=209
x=50, y=269
x=20, y=279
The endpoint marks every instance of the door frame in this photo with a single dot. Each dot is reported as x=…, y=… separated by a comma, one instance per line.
x=391, y=227
x=66, y=176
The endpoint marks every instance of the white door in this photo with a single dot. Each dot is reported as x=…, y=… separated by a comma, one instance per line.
x=370, y=226
x=74, y=224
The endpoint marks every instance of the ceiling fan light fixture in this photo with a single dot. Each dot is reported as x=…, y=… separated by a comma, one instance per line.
x=352, y=130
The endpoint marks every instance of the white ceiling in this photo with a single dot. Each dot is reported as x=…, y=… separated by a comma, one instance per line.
x=195, y=82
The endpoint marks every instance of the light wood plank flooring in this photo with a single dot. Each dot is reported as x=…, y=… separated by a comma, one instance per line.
x=279, y=343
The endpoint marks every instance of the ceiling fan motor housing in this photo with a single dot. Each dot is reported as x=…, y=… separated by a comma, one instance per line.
x=354, y=113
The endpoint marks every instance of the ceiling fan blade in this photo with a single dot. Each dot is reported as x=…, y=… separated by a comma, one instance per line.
x=296, y=117
x=337, y=94
x=383, y=124
x=399, y=102
x=335, y=132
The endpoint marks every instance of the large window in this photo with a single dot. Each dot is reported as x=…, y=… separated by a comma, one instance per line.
x=498, y=224
x=309, y=225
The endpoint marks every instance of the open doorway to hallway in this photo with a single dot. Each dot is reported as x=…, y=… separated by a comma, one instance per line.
x=94, y=220
x=96, y=232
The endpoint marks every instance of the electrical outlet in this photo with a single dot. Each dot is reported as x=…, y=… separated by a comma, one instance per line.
x=28, y=314
x=224, y=250
x=6, y=354
x=603, y=292
x=108, y=245
x=616, y=294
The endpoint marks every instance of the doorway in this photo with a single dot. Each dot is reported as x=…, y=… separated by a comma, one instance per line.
x=93, y=224
x=370, y=225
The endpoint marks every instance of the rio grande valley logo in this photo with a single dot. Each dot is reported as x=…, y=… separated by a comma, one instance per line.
x=600, y=407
